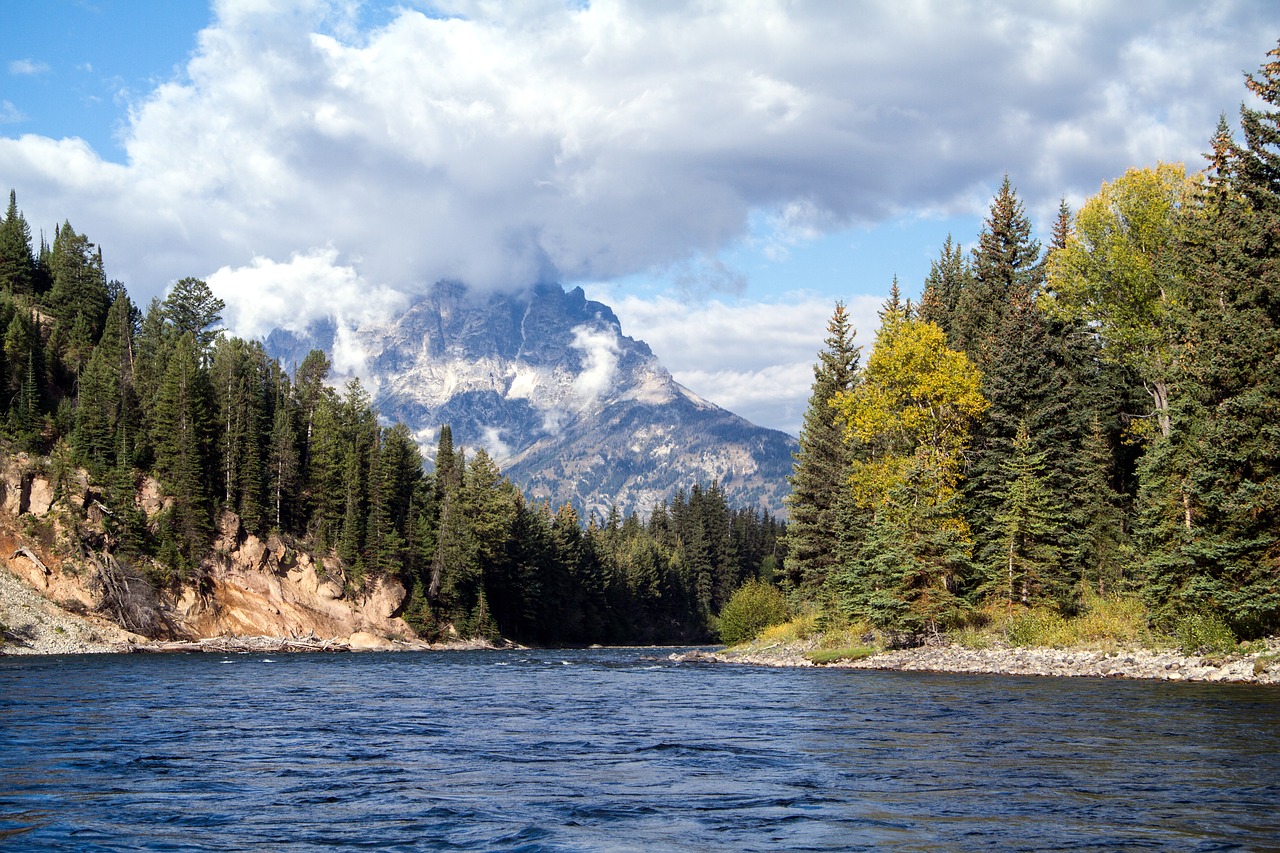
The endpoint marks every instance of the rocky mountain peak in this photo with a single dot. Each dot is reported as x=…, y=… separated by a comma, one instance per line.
x=570, y=407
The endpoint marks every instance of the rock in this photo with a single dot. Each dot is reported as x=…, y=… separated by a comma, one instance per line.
x=151, y=498
x=253, y=553
x=364, y=641
x=40, y=497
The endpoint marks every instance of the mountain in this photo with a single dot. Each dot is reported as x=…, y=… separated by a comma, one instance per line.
x=570, y=408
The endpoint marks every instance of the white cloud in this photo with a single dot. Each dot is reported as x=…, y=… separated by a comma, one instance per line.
x=599, y=348
x=569, y=141
x=291, y=295
x=755, y=359
x=9, y=114
x=305, y=167
x=27, y=67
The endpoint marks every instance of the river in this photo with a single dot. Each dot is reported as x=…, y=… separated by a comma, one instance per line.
x=619, y=749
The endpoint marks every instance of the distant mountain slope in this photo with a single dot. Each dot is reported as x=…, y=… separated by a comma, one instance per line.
x=573, y=410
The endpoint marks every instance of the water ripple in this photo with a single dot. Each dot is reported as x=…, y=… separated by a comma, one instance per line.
x=619, y=750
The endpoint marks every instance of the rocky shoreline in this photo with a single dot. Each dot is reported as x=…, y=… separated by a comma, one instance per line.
x=1153, y=664
x=34, y=625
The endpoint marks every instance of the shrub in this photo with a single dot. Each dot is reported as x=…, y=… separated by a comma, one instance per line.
x=793, y=630
x=1204, y=634
x=822, y=656
x=754, y=607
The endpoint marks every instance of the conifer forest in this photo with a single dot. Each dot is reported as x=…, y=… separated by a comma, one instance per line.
x=1051, y=424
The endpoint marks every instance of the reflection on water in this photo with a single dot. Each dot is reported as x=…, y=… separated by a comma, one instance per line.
x=619, y=750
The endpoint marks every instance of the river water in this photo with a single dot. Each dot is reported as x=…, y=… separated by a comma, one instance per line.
x=619, y=750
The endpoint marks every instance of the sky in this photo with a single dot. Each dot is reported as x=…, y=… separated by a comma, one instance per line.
x=719, y=172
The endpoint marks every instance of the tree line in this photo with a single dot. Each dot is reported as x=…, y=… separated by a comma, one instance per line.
x=1101, y=417
x=91, y=380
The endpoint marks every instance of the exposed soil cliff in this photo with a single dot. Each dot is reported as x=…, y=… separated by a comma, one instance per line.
x=51, y=539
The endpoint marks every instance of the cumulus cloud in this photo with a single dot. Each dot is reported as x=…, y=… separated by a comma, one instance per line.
x=501, y=144
x=755, y=359
x=310, y=286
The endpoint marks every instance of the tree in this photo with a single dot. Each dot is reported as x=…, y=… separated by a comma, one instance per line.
x=17, y=264
x=1023, y=556
x=1224, y=445
x=912, y=412
x=1006, y=267
x=950, y=277
x=181, y=422
x=822, y=462
x=79, y=294
x=1120, y=271
x=192, y=307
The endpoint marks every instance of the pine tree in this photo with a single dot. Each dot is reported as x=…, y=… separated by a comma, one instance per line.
x=1006, y=268
x=284, y=464
x=950, y=276
x=181, y=420
x=79, y=291
x=17, y=264
x=1229, y=561
x=192, y=307
x=1022, y=557
x=822, y=462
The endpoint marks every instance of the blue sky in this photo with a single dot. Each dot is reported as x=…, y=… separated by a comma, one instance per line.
x=718, y=172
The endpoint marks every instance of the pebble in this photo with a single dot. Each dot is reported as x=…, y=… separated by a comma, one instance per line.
x=1133, y=663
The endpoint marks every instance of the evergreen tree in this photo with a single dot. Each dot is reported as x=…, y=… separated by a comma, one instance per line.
x=822, y=462
x=192, y=307
x=17, y=264
x=79, y=294
x=284, y=463
x=1006, y=268
x=1229, y=561
x=1022, y=557
x=181, y=421
x=950, y=276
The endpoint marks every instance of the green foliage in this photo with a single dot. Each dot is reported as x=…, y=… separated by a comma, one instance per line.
x=1204, y=634
x=752, y=608
x=824, y=656
x=821, y=465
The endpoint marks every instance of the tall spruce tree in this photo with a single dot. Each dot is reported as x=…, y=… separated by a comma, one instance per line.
x=821, y=467
x=17, y=263
x=1230, y=562
x=181, y=427
x=950, y=277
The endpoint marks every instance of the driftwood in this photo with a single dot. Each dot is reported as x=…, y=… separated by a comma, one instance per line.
x=231, y=645
x=24, y=551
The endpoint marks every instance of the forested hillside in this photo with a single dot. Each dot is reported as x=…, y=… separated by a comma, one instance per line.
x=90, y=380
x=1045, y=427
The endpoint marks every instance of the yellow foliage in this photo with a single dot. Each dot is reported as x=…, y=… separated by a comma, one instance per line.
x=913, y=411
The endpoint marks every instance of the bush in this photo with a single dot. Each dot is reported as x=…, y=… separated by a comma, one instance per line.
x=754, y=607
x=1204, y=634
x=822, y=656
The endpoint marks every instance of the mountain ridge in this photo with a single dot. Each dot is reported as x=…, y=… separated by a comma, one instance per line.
x=572, y=409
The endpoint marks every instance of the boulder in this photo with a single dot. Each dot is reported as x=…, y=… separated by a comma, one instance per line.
x=364, y=641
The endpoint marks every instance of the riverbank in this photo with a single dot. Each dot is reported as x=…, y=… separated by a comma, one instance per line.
x=1155, y=664
x=34, y=625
